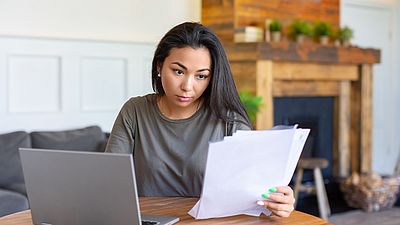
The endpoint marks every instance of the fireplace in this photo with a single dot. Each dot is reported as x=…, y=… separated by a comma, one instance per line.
x=315, y=113
x=286, y=69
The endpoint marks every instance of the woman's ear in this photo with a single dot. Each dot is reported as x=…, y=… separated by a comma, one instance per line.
x=159, y=67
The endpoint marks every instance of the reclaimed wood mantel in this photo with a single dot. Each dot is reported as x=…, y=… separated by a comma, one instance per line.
x=289, y=69
x=307, y=52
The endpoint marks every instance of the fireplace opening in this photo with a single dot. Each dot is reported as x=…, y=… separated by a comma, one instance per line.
x=315, y=113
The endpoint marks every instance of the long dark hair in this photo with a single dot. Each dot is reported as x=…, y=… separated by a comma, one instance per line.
x=221, y=95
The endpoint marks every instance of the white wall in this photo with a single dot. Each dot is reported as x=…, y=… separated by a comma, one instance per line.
x=376, y=24
x=397, y=69
x=117, y=20
x=70, y=63
x=59, y=84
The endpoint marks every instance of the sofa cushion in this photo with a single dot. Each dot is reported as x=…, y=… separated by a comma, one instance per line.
x=11, y=176
x=86, y=139
x=11, y=202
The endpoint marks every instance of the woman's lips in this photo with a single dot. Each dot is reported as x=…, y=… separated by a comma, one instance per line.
x=183, y=98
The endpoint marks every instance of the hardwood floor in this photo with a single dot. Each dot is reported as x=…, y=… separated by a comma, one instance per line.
x=359, y=217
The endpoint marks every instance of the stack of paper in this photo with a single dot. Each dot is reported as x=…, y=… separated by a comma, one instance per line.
x=242, y=167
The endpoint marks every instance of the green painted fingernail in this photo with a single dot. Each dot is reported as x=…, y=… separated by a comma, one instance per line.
x=265, y=195
x=273, y=189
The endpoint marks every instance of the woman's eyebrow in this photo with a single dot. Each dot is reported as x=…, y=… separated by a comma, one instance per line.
x=184, y=67
x=179, y=64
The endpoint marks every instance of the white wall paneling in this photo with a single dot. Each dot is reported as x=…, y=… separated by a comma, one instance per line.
x=396, y=33
x=48, y=84
x=33, y=83
x=375, y=25
x=3, y=84
x=99, y=75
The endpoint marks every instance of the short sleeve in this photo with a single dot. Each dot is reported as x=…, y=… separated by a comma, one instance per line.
x=122, y=138
x=238, y=124
x=241, y=126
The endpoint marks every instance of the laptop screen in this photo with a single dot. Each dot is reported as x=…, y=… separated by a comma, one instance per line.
x=70, y=187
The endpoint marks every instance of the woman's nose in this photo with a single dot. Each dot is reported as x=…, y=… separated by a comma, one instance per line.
x=187, y=83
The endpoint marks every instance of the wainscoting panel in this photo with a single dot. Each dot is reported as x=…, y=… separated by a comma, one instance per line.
x=51, y=84
x=99, y=75
x=34, y=83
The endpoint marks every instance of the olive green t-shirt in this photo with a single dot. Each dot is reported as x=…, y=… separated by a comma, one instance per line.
x=169, y=155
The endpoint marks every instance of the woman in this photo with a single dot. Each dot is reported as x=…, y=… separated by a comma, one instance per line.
x=195, y=102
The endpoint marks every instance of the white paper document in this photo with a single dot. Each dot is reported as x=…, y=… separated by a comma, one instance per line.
x=242, y=167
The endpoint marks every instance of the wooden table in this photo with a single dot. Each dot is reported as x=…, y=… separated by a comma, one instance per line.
x=177, y=206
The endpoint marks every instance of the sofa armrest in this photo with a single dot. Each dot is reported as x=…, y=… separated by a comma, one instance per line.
x=11, y=176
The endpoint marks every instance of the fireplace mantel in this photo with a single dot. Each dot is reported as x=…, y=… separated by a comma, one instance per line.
x=308, y=52
x=289, y=69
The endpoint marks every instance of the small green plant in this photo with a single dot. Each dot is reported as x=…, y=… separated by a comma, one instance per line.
x=275, y=26
x=322, y=29
x=251, y=104
x=299, y=27
x=345, y=34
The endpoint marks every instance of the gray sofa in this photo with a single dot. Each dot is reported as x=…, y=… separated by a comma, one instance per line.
x=12, y=188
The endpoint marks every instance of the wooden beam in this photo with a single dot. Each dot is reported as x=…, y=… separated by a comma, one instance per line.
x=265, y=118
x=309, y=52
x=344, y=129
x=313, y=71
x=355, y=124
x=366, y=118
x=305, y=88
x=242, y=51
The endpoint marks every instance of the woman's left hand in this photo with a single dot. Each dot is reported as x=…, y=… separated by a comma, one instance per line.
x=280, y=202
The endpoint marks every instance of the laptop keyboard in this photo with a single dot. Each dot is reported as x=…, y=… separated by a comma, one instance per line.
x=149, y=222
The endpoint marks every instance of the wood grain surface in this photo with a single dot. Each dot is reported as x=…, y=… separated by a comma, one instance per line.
x=178, y=206
x=224, y=16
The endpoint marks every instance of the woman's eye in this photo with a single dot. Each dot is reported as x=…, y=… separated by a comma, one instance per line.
x=202, y=76
x=178, y=72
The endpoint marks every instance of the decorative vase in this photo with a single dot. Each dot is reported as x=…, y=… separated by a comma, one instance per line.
x=324, y=40
x=337, y=43
x=276, y=36
x=300, y=39
x=346, y=43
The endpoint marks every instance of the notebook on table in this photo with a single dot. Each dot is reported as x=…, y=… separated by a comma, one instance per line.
x=71, y=188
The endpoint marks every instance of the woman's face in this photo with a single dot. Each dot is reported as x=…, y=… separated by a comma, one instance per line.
x=185, y=75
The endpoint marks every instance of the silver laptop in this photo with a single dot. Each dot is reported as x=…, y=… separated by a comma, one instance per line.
x=85, y=188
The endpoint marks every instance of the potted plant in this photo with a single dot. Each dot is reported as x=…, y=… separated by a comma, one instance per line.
x=335, y=36
x=275, y=28
x=344, y=35
x=322, y=31
x=299, y=29
x=251, y=104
